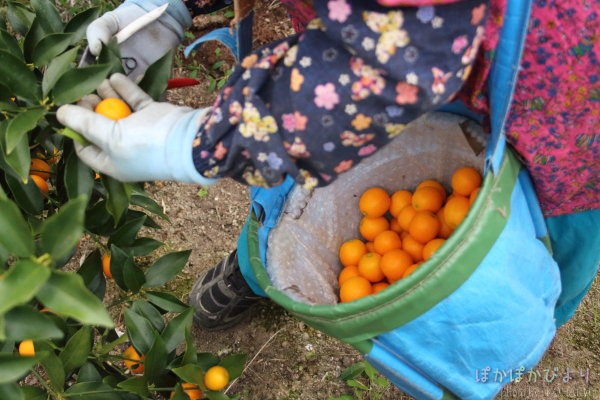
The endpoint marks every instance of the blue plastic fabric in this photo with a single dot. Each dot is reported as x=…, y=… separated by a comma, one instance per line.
x=502, y=317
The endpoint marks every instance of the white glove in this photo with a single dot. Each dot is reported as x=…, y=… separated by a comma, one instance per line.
x=147, y=45
x=153, y=143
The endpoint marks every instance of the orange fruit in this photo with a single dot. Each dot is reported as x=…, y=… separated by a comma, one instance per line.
x=431, y=247
x=465, y=180
x=216, y=378
x=113, y=108
x=379, y=286
x=432, y=183
x=394, y=262
x=424, y=226
x=406, y=215
x=413, y=247
x=445, y=230
x=399, y=200
x=40, y=183
x=192, y=391
x=386, y=241
x=374, y=202
x=368, y=267
x=395, y=226
x=40, y=168
x=428, y=198
x=456, y=210
x=351, y=251
x=369, y=227
x=133, y=361
x=26, y=348
x=347, y=273
x=106, y=265
x=370, y=247
x=355, y=288
x=473, y=196
x=411, y=269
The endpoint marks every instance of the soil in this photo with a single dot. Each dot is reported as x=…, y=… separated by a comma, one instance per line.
x=286, y=358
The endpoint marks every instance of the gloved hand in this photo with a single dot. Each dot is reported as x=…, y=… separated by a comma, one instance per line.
x=153, y=143
x=147, y=45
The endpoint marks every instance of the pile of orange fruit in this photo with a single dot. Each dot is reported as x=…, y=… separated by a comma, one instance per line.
x=400, y=231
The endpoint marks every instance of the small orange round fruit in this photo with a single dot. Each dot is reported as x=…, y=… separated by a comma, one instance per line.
x=40, y=168
x=473, y=196
x=106, y=265
x=355, y=288
x=432, y=183
x=347, y=273
x=395, y=226
x=424, y=226
x=193, y=391
x=351, y=251
x=369, y=227
x=26, y=348
x=431, y=247
x=370, y=247
x=413, y=247
x=393, y=264
x=386, y=241
x=456, y=210
x=374, y=202
x=216, y=378
x=399, y=200
x=406, y=215
x=411, y=269
x=40, y=183
x=133, y=361
x=465, y=180
x=113, y=108
x=445, y=230
x=428, y=198
x=368, y=267
x=379, y=286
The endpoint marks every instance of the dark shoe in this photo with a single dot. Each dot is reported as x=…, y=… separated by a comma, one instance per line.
x=221, y=296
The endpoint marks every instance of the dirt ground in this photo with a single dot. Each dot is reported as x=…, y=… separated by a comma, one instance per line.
x=289, y=360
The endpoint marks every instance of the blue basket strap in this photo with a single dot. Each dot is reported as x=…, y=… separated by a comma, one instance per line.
x=503, y=76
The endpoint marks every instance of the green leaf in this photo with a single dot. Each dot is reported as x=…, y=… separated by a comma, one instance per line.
x=77, y=349
x=125, y=235
x=78, y=177
x=157, y=76
x=142, y=200
x=14, y=367
x=140, y=330
x=111, y=55
x=15, y=235
x=57, y=68
x=9, y=43
x=142, y=246
x=234, y=364
x=88, y=373
x=63, y=230
x=21, y=124
x=49, y=47
x=15, y=75
x=20, y=17
x=352, y=371
x=76, y=83
x=75, y=136
x=65, y=293
x=137, y=385
x=48, y=15
x=357, y=384
x=79, y=23
x=11, y=391
x=33, y=393
x=191, y=373
x=216, y=396
x=174, y=333
x=20, y=284
x=133, y=277
x=17, y=163
x=91, y=272
x=166, y=301
x=179, y=394
x=26, y=323
x=34, y=35
x=166, y=267
x=92, y=391
x=156, y=360
x=148, y=311
x=189, y=356
x=27, y=196
x=117, y=265
x=54, y=369
x=117, y=200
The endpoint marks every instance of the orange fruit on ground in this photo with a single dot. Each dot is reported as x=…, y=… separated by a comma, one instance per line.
x=428, y=198
x=113, y=108
x=106, y=265
x=456, y=210
x=192, y=391
x=445, y=230
x=133, y=361
x=395, y=226
x=394, y=262
x=406, y=215
x=351, y=251
x=473, y=196
x=369, y=268
x=369, y=227
x=411, y=269
x=399, y=199
x=424, y=226
x=40, y=183
x=413, y=247
x=370, y=247
x=355, y=288
x=374, y=202
x=379, y=286
x=386, y=241
x=432, y=183
x=26, y=348
x=347, y=273
x=431, y=247
x=465, y=180
x=40, y=168
x=216, y=378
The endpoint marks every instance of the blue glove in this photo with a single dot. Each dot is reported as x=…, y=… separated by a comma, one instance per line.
x=150, y=43
x=153, y=143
